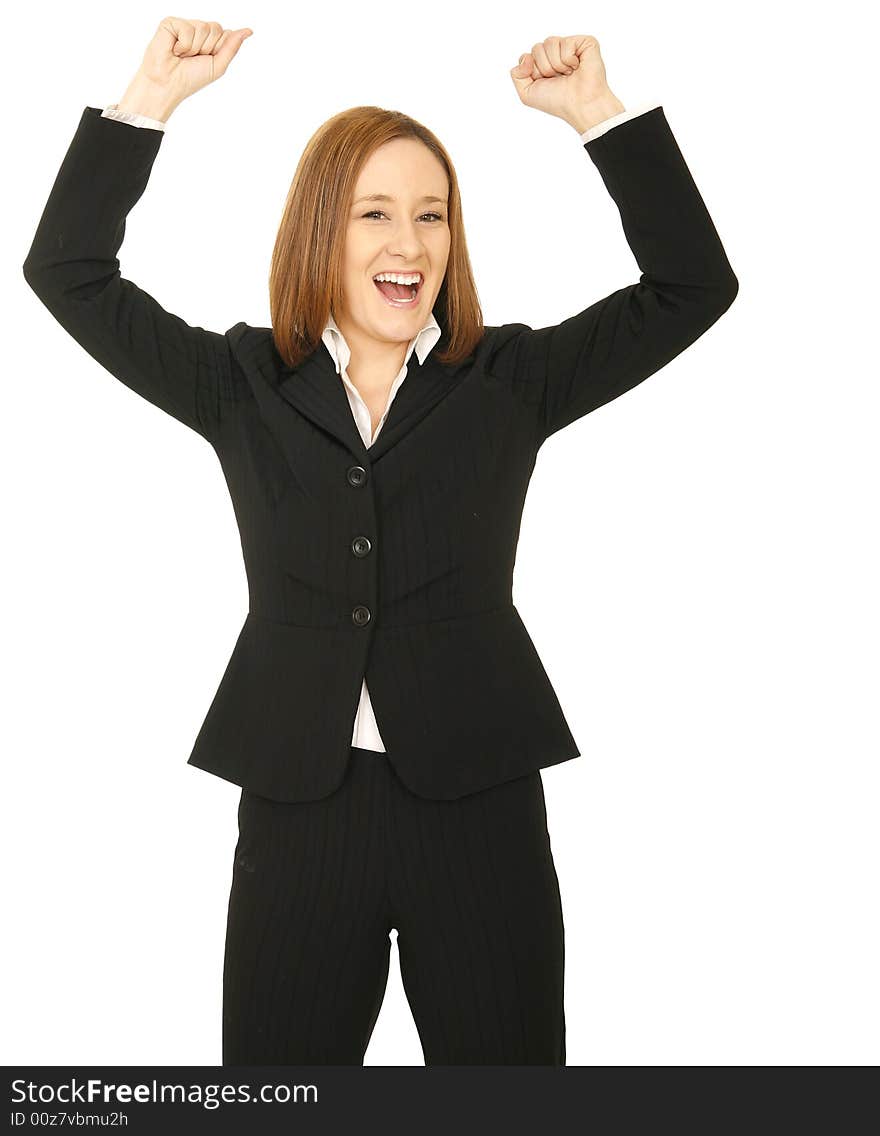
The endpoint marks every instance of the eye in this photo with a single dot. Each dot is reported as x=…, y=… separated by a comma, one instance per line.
x=378, y=213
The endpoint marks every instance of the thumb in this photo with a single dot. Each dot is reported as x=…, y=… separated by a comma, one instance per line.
x=522, y=73
x=229, y=48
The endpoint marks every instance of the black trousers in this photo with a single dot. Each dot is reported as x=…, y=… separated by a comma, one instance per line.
x=470, y=886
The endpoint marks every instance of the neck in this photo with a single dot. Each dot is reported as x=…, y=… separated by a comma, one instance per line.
x=373, y=360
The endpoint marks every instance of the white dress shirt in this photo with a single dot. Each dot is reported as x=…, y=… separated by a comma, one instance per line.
x=365, y=730
x=112, y=111
x=365, y=734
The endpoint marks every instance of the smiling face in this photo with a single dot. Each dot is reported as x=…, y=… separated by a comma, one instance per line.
x=406, y=231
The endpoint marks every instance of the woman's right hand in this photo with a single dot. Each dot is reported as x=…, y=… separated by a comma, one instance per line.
x=181, y=58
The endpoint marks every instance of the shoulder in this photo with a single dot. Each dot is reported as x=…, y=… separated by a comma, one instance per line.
x=502, y=345
x=246, y=341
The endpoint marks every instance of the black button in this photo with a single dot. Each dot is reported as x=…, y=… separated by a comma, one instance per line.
x=356, y=475
x=360, y=546
x=360, y=615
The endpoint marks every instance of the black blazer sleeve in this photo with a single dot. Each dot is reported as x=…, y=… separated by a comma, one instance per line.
x=73, y=268
x=686, y=284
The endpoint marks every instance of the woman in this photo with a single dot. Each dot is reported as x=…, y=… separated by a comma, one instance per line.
x=384, y=709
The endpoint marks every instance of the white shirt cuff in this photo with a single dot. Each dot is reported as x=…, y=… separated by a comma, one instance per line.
x=615, y=120
x=132, y=119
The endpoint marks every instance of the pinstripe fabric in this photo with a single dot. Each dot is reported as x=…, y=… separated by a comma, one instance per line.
x=470, y=886
x=365, y=731
x=391, y=564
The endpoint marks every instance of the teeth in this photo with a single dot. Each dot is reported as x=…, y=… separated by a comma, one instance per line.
x=400, y=278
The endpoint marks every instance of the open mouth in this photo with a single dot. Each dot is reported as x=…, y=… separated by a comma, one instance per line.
x=399, y=295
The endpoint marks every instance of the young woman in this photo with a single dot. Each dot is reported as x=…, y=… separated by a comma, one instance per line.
x=384, y=710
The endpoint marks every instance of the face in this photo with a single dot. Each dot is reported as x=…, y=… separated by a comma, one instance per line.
x=406, y=231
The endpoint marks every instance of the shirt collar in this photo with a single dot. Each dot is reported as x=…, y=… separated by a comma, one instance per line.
x=340, y=352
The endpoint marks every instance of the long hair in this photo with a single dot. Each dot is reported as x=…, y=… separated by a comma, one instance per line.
x=305, y=282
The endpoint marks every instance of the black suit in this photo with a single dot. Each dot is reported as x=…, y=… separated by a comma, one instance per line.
x=394, y=561
x=423, y=605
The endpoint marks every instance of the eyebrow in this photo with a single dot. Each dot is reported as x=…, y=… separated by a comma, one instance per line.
x=386, y=197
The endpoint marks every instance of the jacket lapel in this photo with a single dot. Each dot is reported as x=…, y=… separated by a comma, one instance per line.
x=316, y=391
x=425, y=385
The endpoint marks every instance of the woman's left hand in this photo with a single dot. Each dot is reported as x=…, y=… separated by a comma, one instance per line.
x=563, y=76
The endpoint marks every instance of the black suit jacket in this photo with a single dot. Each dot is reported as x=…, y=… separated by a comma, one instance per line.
x=394, y=561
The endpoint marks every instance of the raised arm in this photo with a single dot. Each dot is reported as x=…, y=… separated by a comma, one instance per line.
x=72, y=263
x=686, y=282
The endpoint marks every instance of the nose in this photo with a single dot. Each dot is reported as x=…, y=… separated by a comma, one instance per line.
x=405, y=240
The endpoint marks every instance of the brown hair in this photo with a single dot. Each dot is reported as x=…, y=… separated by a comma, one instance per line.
x=305, y=273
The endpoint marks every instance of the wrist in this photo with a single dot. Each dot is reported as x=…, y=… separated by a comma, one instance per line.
x=147, y=98
x=590, y=114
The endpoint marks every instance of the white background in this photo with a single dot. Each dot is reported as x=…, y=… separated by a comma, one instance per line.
x=710, y=621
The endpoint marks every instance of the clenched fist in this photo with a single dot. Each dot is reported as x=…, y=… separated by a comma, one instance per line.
x=565, y=76
x=181, y=58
